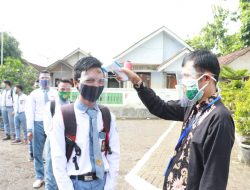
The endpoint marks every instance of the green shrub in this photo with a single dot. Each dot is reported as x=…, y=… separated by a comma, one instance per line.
x=242, y=110
x=229, y=92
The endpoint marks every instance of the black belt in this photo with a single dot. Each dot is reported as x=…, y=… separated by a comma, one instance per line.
x=85, y=177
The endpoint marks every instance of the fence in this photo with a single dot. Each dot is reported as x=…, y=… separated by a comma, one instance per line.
x=128, y=97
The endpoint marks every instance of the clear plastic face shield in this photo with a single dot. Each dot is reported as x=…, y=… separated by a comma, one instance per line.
x=189, y=87
x=91, y=79
x=92, y=83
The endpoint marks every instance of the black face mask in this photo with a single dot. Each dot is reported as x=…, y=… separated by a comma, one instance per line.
x=90, y=93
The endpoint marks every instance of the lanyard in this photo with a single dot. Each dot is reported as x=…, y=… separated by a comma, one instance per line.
x=188, y=129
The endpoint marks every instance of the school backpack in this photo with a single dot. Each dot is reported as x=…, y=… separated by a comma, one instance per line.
x=69, y=120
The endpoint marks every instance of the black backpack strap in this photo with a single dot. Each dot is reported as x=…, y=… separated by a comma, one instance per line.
x=52, y=107
x=106, y=117
x=69, y=120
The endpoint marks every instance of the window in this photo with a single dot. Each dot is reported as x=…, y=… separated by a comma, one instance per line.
x=170, y=80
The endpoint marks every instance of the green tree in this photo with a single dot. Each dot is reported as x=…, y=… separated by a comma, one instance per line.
x=10, y=47
x=214, y=36
x=245, y=22
x=18, y=73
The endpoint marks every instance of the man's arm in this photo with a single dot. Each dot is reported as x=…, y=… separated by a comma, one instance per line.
x=171, y=110
x=58, y=153
x=217, y=150
x=114, y=158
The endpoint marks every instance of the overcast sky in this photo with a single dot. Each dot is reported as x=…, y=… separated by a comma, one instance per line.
x=48, y=30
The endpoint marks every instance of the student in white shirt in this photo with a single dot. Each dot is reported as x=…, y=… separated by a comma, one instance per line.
x=95, y=172
x=19, y=112
x=31, y=157
x=7, y=110
x=34, y=115
x=64, y=88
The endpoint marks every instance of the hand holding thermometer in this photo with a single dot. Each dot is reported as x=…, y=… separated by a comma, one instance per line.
x=115, y=67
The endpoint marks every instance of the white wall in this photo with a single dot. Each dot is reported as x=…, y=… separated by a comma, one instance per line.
x=148, y=53
x=154, y=51
x=74, y=58
x=175, y=66
x=157, y=79
x=242, y=62
x=171, y=46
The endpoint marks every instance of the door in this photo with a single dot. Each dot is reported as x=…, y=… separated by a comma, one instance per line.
x=171, y=80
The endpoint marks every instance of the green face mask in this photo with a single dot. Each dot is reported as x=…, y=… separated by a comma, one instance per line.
x=64, y=95
x=192, y=92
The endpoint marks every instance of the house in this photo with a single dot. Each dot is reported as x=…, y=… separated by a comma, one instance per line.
x=38, y=68
x=63, y=69
x=156, y=58
x=237, y=60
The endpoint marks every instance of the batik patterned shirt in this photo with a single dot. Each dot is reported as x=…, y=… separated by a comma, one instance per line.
x=202, y=160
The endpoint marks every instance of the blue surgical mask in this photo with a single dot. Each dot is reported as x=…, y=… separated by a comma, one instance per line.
x=44, y=83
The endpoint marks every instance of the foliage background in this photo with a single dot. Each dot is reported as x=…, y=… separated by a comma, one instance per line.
x=235, y=92
x=18, y=73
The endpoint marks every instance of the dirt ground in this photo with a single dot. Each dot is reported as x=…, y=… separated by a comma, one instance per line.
x=136, y=137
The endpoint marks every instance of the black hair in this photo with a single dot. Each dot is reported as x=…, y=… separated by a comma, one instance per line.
x=7, y=82
x=204, y=60
x=85, y=64
x=19, y=86
x=65, y=81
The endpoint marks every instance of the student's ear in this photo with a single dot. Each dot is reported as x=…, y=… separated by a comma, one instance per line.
x=207, y=78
